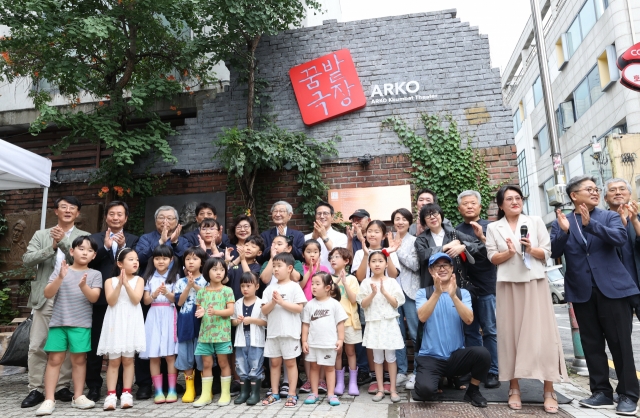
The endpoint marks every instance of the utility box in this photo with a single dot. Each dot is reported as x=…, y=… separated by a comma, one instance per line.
x=624, y=154
x=557, y=195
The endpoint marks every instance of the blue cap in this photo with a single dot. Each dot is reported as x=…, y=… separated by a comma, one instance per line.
x=438, y=256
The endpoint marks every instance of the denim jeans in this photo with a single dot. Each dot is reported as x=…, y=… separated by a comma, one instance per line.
x=408, y=311
x=484, y=316
x=249, y=360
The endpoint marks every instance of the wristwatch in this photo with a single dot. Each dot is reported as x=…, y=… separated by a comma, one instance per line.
x=325, y=240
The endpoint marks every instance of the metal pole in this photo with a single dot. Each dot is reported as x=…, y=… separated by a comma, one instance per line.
x=579, y=363
x=43, y=215
x=545, y=79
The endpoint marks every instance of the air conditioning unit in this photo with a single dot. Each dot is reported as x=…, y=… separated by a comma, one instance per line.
x=557, y=195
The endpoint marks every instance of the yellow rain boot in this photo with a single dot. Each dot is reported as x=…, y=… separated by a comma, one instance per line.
x=225, y=396
x=205, y=397
x=190, y=392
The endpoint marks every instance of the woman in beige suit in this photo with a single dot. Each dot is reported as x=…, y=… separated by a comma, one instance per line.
x=529, y=345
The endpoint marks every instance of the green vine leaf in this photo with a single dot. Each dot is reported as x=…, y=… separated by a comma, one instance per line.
x=444, y=161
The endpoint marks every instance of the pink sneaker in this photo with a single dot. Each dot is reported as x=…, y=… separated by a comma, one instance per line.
x=373, y=388
x=387, y=388
x=322, y=387
x=306, y=388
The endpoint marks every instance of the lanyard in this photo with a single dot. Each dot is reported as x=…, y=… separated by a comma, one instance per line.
x=579, y=228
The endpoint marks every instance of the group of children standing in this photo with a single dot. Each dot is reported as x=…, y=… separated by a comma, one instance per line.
x=198, y=303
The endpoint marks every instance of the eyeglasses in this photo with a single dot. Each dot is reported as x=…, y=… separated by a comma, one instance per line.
x=441, y=267
x=431, y=215
x=323, y=214
x=618, y=189
x=591, y=190
x=166, y=218
x=513, y=199
x=245, y=227
x=67, y=207
x=280, y=211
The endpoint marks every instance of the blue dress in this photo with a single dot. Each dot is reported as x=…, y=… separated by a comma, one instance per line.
x=161, y=324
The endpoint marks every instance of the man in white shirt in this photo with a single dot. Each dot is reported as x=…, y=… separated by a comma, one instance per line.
x=328, y=237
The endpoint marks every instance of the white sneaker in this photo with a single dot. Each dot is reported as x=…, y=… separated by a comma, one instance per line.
x=401, y=379
x=411, y=383
x=110, y=402
x=46, y=408
x=126, y=400
x=82, y=403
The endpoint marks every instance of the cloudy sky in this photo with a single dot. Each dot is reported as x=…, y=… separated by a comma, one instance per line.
x=502, y=20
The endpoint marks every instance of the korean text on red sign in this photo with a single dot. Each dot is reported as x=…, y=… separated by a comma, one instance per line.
x=327, y=87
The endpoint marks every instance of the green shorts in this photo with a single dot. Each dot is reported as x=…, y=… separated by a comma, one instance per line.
x=72, y=339
x=209, y=349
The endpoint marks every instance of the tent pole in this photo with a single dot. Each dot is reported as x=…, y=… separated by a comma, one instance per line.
x=43, y=216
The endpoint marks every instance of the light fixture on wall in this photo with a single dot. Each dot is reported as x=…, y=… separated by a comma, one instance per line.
x=365, y=160
x=180, y=172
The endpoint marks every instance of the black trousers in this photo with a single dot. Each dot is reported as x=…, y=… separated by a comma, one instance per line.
x=94, y=362
x=474, y=360
x=603, y=320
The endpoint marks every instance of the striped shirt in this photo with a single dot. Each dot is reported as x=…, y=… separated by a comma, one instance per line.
x=71, y=308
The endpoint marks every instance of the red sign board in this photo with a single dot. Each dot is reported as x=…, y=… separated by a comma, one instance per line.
x=327, y=87
x=629, y=64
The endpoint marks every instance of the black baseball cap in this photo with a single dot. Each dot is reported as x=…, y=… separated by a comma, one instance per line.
x=360, y=213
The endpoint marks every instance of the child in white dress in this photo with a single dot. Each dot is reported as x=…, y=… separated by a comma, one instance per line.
x=123, y=328
x=380, y=297
x=160, y=326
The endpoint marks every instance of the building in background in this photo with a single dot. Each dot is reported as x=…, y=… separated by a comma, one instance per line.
x=583, y=40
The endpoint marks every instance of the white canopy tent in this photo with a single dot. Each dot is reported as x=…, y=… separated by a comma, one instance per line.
x=22, y=169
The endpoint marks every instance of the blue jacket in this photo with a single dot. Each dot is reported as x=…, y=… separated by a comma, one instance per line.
x=192, y=237
x=597, y=259
x=270, y=234
x=149, y=241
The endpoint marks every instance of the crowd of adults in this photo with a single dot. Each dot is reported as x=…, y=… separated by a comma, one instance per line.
x=510, y=331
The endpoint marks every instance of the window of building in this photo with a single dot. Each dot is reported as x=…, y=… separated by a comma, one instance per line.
x=543, y=140
x=565, y=116
x=583, y=23
x=587, y=92
x=537, y=91
x=524, y=179
x=581, y=98
x=545, y=200
x=518, y=117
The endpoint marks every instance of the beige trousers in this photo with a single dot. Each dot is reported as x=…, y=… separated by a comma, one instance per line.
x=37, y=356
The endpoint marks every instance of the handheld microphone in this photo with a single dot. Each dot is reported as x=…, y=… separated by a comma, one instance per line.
x=523, y=234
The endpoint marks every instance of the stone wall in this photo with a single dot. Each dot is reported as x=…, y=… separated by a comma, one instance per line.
x=447, y=57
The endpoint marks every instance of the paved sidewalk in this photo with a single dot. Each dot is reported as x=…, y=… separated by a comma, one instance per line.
x=14, y=388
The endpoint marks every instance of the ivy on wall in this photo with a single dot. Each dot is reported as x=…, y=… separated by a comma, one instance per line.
x=7, y=313
x=246, y=152
x=444, y=161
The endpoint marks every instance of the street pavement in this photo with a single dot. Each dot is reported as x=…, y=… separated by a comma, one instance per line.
x=13, y=388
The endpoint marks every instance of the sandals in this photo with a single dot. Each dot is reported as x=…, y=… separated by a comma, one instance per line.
x=270, y=400
x=292, y=401
x=379, y=396
x=333, y=400
x=395, y=398
x=312, y=398
x=550, y=409
x=284, y=389
x=516, y=406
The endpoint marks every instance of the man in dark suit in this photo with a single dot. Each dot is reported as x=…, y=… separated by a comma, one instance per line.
x=113, y=240
x=206, y=210
x=618, y=197
x=600, y=288
x=281, y=213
